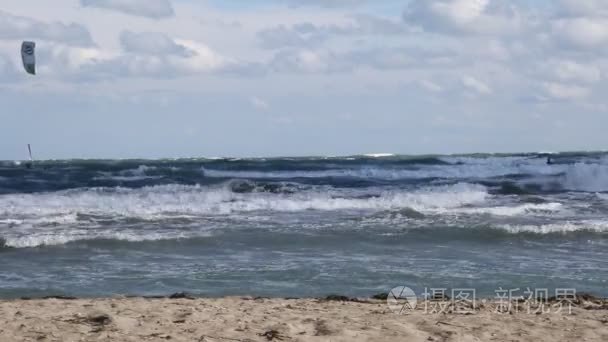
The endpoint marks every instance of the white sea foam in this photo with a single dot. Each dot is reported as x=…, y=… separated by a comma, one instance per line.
x=602, y=196
x=140, y=171
x=171, y=200
x=130, y=175
x=108, y=176
x=517, y=210
x=563, y=227
x=30, y=220
x=379, y=155
x=36, y=240
x=586, y=177
x=54, y=238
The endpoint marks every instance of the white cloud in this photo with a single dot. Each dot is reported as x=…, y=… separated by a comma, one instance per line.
x=307, y=61
x=22, y=28
x=155, y=9
x=307, y=34
x=495, y=49
x=299, y=35
x=326, y=3
x=459, y=11
x=381, y=58
x=567, y=70
x=430, y=86
x=65, y=61
x=584, y=7
x=154, y=66
x=561, y=91
x=328, y=61
x=156, y=56
x=475, y=84
x=8, y=72
x=464, y=16
x=202, y=59
x=258, y=103
x=585, y=32
x=152, y=43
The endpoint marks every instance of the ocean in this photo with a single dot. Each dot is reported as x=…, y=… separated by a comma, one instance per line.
x=304, y=227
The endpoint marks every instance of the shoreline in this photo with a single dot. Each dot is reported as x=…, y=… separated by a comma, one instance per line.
x=336, y=318
x=585, y=296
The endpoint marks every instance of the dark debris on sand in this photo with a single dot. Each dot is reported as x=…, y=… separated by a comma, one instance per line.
x=380, y=296
x=181, y=295
x=339, y=298
x=321, y=328
x=272, y=335
x=97, y=320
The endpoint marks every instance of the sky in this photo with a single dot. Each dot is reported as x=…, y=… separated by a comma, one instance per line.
x=194, y=78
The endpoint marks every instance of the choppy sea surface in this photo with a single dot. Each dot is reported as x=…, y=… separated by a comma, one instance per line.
x=304, y=226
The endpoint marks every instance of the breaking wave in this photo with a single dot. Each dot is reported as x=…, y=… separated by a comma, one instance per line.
x=174, y=200
x=63, y=202
x=130, y=175
x=554, y=228
x=586, y=177
x=62, y=238
x=517, y=210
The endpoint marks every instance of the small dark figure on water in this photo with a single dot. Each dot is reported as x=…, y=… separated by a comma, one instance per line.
x=549, y=161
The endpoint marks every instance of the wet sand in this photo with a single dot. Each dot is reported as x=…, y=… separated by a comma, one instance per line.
x=248, y=319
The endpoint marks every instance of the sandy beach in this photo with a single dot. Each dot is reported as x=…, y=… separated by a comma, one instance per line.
x=249, y=319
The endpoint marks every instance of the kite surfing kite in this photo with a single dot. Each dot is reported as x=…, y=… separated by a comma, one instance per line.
x=28, y=55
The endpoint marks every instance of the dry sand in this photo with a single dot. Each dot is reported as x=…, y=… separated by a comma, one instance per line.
x=242, y=319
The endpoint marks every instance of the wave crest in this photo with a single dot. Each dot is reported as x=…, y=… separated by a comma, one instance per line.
x=586, y=177
x=174, y=200
x=558, y=228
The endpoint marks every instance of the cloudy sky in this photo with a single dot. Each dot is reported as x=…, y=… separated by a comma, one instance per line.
x=179, y=78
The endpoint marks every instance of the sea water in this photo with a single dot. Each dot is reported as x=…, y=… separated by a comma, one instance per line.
x=303, y=227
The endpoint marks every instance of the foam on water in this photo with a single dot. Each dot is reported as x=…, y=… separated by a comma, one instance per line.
x=91, y=208
x=55, y=238
x=130, y=175
x=552, y=228
x=586, y=177
x=517, y=210
x=125, y=178
x=379, y=155
x=602, y=196
x=59, y=219
x=307, y=224
x=171, y=200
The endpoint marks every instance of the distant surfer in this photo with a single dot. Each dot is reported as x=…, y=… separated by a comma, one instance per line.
x=549, y=161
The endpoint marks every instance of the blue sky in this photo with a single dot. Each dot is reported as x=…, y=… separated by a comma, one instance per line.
x=182, y=78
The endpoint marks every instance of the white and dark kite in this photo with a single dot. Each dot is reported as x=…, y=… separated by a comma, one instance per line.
x=28, y=55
